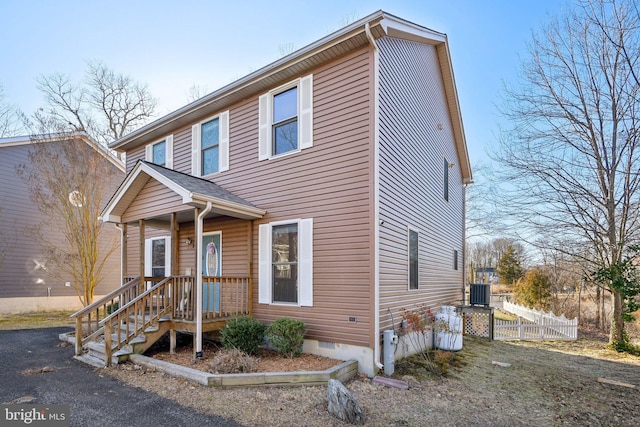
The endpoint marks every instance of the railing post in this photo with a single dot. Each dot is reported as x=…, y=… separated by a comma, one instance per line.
x=78, y=335
x=107, y=344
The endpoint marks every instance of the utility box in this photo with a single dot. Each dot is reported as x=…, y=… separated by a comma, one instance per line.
x=480, y=294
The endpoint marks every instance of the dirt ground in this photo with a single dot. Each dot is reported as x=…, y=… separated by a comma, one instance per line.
x=546, y=384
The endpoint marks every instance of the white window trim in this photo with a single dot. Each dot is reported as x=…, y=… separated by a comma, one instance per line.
x=409, y=230
x=148, y=245
x=305, y=263
x=304, y=117
x=168, y=140
x=223, y=144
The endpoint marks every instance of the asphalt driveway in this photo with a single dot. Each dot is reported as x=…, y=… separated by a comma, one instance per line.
x=94, y=399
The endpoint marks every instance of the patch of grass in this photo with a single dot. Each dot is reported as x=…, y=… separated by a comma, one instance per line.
x=36, y=320
x=497, y=314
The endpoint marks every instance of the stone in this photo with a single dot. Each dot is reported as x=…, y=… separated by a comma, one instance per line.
x=342, y=404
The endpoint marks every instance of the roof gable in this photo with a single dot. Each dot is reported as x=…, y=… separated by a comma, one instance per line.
x=193, y=191
x=334, y=45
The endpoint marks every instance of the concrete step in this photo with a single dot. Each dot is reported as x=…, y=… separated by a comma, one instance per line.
x=90, y=360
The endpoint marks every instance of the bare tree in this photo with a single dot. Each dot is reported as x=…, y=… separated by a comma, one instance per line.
x=69, y=181
x=571, y=158
x=196, y=92
x=107, y=106
x=9, y=117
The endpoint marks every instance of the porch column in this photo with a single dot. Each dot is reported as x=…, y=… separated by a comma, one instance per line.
x=199, y=220
x=250, y=266
x=122, y=228
x=174, y=229
x=142, y=247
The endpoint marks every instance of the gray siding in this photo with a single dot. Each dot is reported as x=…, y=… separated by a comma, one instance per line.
x=19, y=273
x=415, y=137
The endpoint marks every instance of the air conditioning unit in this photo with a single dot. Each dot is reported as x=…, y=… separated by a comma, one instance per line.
x=480, y=294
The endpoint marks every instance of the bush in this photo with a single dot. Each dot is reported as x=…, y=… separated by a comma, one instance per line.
x=287, y=336
x=244, y=333
x=233, y=361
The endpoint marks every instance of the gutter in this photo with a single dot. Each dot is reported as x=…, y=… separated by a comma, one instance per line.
x=376, y=198
x=199, y=278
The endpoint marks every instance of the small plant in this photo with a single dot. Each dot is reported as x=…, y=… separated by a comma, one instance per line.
x=244, y=333
x=112, y=308
x=287, y=336
x=233, y=361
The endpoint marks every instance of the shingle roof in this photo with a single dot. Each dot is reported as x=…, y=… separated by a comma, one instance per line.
x=197, y=185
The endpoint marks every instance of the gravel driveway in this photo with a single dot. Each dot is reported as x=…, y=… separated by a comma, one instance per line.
x=37, y=369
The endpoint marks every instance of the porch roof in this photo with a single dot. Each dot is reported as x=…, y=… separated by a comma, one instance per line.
x=194, y=191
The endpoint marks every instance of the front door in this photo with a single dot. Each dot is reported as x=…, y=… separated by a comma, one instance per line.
x=211, y=268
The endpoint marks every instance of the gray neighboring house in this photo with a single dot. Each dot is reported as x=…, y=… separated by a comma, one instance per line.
x=27, y=282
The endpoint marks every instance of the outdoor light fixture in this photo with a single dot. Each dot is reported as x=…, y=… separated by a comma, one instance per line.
x=189, y=242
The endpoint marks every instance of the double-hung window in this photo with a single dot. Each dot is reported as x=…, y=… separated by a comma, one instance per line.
x=160, y=152
x=210, y=145
x=286, y=262
x=286, y=119
x=157, y=257
x=414, y=279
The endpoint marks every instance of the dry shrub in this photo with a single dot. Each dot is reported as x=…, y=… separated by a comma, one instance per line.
x=233, y=361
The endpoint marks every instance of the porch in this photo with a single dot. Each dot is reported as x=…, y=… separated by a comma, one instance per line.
x=131, y=318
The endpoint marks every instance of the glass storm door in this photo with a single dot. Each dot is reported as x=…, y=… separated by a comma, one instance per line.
x=211, y=267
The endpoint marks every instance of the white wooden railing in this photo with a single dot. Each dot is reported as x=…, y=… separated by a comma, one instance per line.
x=534, y=325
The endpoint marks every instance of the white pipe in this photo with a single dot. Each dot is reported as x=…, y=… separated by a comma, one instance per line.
x=199, y=278
x=376, y=198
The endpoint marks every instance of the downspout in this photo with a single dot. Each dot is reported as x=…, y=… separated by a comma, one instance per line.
x=122, y=242
x=376, y=198
x=199, y=278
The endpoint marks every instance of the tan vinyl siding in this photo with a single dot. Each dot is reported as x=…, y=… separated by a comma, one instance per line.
x=133, y=156
x=19, y=272
x=182, y=150
x=415, y=137
x=153, y=200
x=330, y=183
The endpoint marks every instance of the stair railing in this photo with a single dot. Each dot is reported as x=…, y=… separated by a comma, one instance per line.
x=88, y=319
x=136, y=316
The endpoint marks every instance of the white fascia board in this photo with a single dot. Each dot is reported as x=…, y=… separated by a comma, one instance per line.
x=399, y=28
x=228, y=207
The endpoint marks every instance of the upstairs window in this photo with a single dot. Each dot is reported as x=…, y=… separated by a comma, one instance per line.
x=286, y=119
x=160, y=152
x=210, y=145
x=285, y=122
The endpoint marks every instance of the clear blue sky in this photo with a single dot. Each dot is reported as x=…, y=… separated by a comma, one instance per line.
x=172, y=45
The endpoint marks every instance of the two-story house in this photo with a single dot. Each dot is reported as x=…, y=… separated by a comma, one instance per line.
x=327, y=186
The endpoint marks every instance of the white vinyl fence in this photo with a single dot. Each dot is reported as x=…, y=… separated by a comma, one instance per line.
x=534, y=325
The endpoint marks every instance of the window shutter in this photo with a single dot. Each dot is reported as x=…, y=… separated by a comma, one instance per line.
x=264, y=121
x=306, y=112
x=195, y=150
x=167, y=256
x=306, y=262
x=224, y=141
x=148, y=153
x=147, y=257
x=169, y=154
x=264, y=261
